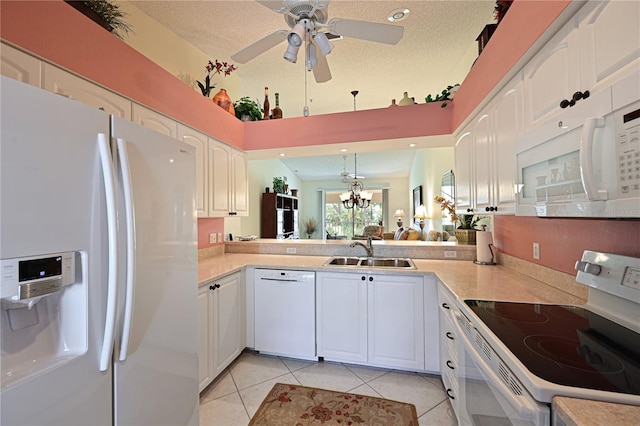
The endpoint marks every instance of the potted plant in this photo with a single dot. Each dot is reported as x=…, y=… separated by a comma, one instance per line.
x=310, y=226
x=444, y=96
x=466, y=229
x=105, y=13
x=247, y=109
x=222, y=68
x=279, y=184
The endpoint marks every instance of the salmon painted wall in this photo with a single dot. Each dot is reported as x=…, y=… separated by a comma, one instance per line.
x=523, y=24
x=59, y=33
x=562, y=241
x=208, y=226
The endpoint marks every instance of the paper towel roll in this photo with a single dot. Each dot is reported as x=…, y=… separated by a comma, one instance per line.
x=483, y=251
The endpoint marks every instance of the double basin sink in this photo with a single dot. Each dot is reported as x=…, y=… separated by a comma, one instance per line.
x=373, y=262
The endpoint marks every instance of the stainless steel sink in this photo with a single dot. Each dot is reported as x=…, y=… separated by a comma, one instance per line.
x=371, y=262
x=343, y=261
x=386, y=262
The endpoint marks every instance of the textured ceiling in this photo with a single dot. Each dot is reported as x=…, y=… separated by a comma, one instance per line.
x=437, y=50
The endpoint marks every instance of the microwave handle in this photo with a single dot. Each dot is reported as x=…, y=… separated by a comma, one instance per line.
x=586, y=159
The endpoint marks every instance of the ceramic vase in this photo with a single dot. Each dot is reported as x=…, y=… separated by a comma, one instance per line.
x=224, y=101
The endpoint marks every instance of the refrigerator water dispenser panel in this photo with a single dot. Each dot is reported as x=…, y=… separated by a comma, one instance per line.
x=25, y=279
x=43, y=320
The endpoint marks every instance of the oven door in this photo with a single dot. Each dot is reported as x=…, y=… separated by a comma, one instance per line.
x=489, y=393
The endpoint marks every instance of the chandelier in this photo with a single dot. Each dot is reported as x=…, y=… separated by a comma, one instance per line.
x=356, y=196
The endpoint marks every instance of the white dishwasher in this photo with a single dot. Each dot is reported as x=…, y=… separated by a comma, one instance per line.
x=285, y=312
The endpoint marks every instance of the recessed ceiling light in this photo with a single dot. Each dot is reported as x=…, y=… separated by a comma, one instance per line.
x=398, y=15
x=282, y=154
x=344, y=150
x=412, y=145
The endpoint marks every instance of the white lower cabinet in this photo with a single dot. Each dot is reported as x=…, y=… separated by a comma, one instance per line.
x=376, y=319
x=448, y=346
x=221, y=325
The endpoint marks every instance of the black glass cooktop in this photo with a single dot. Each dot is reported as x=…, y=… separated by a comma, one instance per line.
x=566, y=345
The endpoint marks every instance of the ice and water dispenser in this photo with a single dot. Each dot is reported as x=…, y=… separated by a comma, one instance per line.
x=44, y=313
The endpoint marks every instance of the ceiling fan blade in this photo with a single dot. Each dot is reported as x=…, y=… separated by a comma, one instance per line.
x=260, y=46
x=321, y=71
x=372, y=31
x=277, y=6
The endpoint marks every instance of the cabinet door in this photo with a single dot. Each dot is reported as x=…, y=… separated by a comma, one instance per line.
x=228, y=314
x=154, y=120
x=396, y=323
x=483, y=163
x=463, y=161
x=341, y=312
x=508, y=113
x=19, y=65
x=239, y=191
x=218, y=170
x=199, y=141
x=205, y=337
x=69, y=85
x=552, y=75
x=431, y=325
x=609, y=37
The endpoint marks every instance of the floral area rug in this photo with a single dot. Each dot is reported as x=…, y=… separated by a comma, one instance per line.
x=300, y=405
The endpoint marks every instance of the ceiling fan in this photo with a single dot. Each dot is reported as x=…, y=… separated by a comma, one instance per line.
x=307, y=20
x=345, y=175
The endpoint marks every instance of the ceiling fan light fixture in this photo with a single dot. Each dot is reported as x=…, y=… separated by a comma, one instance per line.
x=398, y=15
x=296, y=35
x=323, y=43
x=291, y=54
x=311, y=60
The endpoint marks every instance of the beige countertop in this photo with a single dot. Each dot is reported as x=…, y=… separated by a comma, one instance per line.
x=465, y=279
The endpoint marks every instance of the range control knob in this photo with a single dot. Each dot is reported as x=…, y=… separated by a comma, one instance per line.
x=587, y=267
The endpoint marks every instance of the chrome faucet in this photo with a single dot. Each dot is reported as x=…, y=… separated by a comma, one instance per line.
x=368, y=247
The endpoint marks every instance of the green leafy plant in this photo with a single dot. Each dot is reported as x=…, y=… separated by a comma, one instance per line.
x=247, y=106
x=278, y=184
x=112, y=16
x=444, y=96
x=222, y=68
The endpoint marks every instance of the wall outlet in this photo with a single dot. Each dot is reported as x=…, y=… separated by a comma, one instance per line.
x=291, y=250
x=450, y=254
x=536, y=251
x=212, y=238
x=220, y=240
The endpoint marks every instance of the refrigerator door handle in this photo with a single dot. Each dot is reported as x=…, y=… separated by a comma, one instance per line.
x=123, y=156
x=112, y=231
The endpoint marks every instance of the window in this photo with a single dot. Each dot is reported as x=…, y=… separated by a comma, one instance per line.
x=342, y=222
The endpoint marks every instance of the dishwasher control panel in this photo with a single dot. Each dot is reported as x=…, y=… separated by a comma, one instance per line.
x=285, y=275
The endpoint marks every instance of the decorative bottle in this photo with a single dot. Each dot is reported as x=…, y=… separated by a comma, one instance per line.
x=406, y=100
x=277, y=112
x=266, y=103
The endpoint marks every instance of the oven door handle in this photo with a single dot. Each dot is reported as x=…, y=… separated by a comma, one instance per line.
x=522, y=404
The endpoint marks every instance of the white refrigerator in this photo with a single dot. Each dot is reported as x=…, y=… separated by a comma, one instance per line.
x=98, y=267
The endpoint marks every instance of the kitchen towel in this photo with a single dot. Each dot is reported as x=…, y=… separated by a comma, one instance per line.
x=483, y=250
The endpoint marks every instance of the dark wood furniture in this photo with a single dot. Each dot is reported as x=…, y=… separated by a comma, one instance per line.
x=279, y=216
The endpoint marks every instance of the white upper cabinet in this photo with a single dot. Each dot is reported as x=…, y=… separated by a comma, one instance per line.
x=71, y=86
x=154, y=120
x=199, y=141
x=463, y=171
x=228, y=181
x=484, y=154
x=483, y=149
x=553, y=75
x=609, y=42
x=19, y=65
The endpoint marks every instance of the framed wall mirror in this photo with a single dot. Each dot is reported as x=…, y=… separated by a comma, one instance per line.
x=417, y=200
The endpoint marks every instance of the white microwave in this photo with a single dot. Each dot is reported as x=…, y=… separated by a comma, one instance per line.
x=588, y=163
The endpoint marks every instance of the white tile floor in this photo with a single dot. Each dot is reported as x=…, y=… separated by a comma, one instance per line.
x=237, y=393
